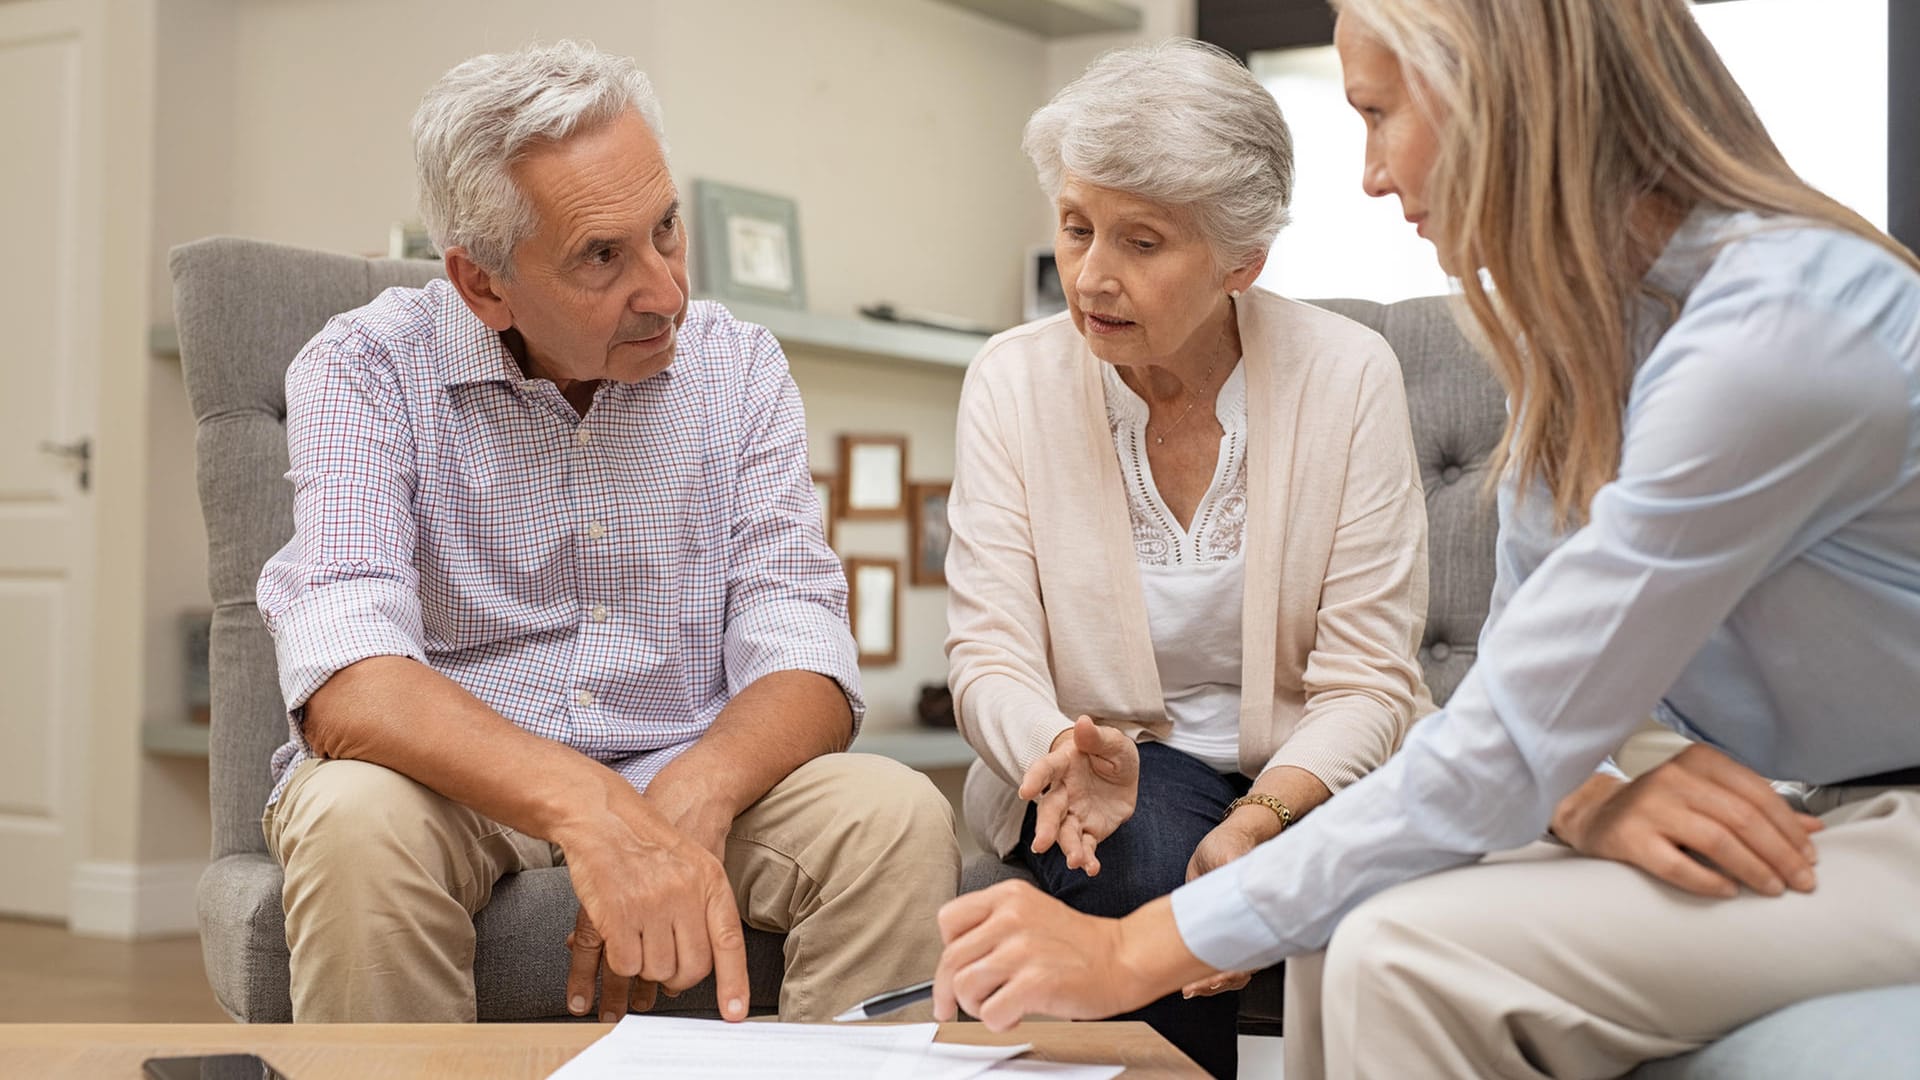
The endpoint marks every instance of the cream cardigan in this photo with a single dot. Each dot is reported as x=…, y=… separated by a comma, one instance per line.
x=1045, y=612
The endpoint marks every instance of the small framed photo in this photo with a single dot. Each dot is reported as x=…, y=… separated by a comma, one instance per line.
x=927, y=525
x=409, y=240
x=824, y=489
x=748, y=246
x=873, y=609
x=873, y=477
x=1043, y=292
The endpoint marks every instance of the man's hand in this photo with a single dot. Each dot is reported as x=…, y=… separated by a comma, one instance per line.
x=701, y=816
x=1012, y=951
x=655, y=906
x=1246, y=829
x=1699, y=802
x=1083, y=790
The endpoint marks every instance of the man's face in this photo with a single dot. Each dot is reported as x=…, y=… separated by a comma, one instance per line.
x=600, y=289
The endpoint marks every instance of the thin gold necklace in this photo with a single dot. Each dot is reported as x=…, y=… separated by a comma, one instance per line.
x=1192, y=400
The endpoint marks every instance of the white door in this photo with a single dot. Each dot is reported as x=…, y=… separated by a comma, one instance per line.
x=50, y=205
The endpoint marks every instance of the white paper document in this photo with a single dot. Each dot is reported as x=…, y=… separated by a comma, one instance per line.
x=662, y=1046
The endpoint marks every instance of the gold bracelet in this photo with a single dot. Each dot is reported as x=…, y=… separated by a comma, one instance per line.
x=1280, y=809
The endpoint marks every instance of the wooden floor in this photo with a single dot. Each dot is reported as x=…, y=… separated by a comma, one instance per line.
x=48, y=975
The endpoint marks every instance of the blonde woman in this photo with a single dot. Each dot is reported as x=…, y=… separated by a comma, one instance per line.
x=1188, y=573
x=1710, y=512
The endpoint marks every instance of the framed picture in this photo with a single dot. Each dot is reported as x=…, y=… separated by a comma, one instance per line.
x=873, y=477
x=1043, y=292
x=409, y=240
x=748, y=246
x=873, y=609
x=824, y=489
x=927, y=525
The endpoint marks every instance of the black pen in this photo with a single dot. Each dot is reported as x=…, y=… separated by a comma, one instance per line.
x=891, y=1001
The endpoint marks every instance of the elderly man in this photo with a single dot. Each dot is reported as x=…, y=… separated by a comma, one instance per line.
x=557, y=593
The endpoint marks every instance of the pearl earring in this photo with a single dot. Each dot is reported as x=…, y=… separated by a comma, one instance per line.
x=1234, y=293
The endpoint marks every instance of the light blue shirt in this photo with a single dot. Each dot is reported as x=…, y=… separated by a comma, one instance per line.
x=1751, y=578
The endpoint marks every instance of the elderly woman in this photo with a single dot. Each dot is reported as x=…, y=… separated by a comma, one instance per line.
x=1188, y=569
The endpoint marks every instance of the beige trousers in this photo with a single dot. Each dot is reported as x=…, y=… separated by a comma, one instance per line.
x=1540, y=962
x=850, y=856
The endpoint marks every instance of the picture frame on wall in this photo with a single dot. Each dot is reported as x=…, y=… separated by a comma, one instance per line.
x=747, y=246
x=1042, y=292
x=928, y=533
x=825, y=492
x=873, y=609
x=409, y=240
x=873, y=477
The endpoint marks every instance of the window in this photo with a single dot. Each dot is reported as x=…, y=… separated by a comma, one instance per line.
x=1815, y=70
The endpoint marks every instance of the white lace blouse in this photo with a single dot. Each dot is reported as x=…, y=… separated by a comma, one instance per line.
x=1193, y=578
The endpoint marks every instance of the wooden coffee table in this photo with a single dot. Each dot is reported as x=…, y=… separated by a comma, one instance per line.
x=475, y=1051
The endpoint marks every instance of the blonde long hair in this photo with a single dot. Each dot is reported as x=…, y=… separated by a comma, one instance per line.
x=1559, y=122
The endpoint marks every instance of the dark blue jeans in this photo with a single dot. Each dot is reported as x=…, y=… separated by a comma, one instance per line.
x=1181, y=799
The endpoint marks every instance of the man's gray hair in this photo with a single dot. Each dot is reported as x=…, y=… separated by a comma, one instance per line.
x=487, y=112
x=1179, y=123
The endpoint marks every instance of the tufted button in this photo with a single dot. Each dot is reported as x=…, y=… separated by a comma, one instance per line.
x=1439, y=650
x=1450, y=474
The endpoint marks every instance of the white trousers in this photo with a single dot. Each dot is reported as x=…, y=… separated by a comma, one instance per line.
x=1543, y=963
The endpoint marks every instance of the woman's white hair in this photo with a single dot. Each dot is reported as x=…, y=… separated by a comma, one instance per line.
x=488, y=111
x=1180, y=123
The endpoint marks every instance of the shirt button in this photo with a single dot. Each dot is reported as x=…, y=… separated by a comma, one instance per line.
x=583, y=698
x=582, y=436
x=596, y=530
x=599, y=613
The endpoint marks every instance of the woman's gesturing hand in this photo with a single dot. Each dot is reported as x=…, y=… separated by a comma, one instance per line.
x=1082, y=790
x=1701, y=802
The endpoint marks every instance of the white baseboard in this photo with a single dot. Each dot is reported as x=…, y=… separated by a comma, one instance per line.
x=129, y=901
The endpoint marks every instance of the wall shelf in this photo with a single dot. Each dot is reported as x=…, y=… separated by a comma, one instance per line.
x=810, y=330
x=1059, y=18
x=174, y=739
x=923, y=749
x=862, y=337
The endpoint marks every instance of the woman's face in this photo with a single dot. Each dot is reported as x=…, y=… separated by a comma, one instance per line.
x=1141, y=281
x=1401, y=142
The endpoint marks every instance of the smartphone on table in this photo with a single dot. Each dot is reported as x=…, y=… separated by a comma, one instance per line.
x=211, y=1067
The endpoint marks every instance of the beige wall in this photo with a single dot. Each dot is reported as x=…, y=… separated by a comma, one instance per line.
x=893, y=123
x=191, y=185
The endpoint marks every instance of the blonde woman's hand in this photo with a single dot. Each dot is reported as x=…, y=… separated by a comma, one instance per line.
x=1082, y=790
x=1701, y=802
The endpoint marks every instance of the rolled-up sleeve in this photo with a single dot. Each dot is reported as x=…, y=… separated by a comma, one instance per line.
x=787, y=592
x=1754, y=427
x=1362, y=679
x=344, y=588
